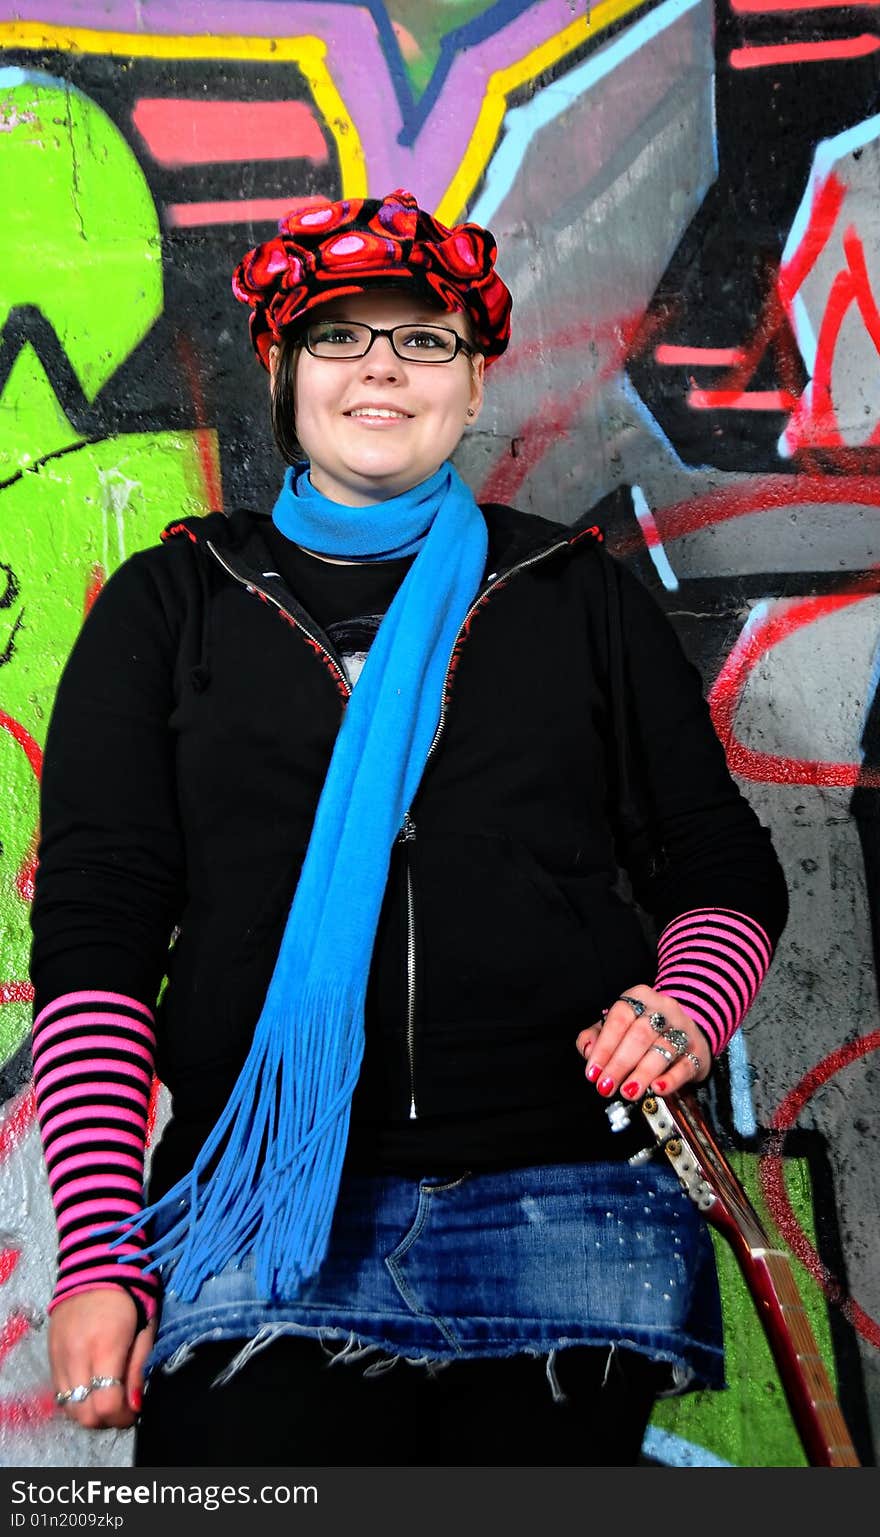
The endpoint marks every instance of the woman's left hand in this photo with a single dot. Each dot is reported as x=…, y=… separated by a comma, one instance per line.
x=646, y=1043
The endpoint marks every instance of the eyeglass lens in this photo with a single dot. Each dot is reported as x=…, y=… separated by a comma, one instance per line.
x=413, y=343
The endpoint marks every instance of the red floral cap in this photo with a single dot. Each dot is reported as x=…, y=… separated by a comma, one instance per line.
x=324, y=250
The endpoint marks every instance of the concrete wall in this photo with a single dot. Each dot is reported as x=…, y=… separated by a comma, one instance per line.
x=686, y=207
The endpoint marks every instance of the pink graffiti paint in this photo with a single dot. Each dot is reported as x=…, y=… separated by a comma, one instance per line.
x=699, y=357
x=253, y=210
x=179, y=131
x=759, y=7
x=763, y=56
x=773, y=1180
x=741, y=400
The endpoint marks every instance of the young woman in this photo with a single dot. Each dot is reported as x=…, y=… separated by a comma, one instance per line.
x=361, y=766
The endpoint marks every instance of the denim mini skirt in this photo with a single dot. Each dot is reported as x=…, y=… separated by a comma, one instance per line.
x=526, y=1260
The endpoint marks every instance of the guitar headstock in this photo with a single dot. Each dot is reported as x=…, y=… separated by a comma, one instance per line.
x=671, y=1135
x=682, y=1133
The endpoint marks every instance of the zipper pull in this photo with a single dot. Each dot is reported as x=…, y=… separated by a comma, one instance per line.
x=408, y=830
x=412, y=1109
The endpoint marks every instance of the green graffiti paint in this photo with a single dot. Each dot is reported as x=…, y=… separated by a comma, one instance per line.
x=61, y=520
x=750, y=1424
x=83, y=244
x=80, y=242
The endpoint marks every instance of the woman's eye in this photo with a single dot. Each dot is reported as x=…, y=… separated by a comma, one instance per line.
x=426, y=340
x=334, y=336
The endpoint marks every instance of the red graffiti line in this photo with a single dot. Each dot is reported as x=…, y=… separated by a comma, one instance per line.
x=553, y=419
x=771, y=332
x=804, y=53
x=823, y=217
x=815, y=419
x=782, y=619
x=25, y=741
x=756, y=496
x=204, y=436
x=18, y=1121
x=9, y=1258
x=773, y=1180
x=16, y=1327
x=16, y=992
x=22, y=1413
x=94, y=582
x=24, y=880
x=180, y=132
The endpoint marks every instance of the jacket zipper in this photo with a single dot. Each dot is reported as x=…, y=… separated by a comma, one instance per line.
x=407, y=837
x=524, y=565
x=255, y=588
x=407, y=833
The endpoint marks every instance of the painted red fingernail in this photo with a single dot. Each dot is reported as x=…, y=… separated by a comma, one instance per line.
x=605, y=1085
x=660, y=1085
x=137, y=1398
x=593, y=1072
x=630, y=1090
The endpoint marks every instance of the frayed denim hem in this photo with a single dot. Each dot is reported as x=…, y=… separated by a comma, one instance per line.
x=378, y=1357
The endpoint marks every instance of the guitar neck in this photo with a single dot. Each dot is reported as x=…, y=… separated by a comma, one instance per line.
x=679, y=1124
x=811, y=1397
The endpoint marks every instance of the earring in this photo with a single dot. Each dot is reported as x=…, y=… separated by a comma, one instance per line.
x=470, y=411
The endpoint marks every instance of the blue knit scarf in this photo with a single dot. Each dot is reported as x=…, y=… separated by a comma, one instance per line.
x=280, y=1142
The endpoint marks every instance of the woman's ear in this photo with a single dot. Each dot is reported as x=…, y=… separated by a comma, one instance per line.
x=274, y=356
x=478, y=369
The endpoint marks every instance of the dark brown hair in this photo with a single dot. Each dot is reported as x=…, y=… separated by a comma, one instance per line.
x=283, y=406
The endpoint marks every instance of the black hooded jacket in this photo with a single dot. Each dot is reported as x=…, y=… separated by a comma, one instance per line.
x=188, y=745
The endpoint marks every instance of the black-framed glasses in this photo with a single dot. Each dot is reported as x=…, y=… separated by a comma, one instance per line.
x=414, y=343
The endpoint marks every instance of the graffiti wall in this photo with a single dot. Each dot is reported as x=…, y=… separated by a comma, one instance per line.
x=685, y=200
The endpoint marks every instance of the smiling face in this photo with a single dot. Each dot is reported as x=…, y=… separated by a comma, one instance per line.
x=373, y=427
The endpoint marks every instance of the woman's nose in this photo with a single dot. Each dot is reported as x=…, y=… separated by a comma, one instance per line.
x=381, y=360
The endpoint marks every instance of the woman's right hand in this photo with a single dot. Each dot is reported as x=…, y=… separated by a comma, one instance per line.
x=95, y=1334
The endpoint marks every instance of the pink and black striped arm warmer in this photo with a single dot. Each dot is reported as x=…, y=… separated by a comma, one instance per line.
x=712, y=961
x=93, y=1070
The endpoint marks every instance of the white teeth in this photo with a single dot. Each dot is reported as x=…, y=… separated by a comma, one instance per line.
x=375, y=411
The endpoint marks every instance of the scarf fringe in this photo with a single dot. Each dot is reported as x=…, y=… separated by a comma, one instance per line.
x=282, y=1139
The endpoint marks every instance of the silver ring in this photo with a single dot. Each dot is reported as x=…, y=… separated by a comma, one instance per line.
x=669, y=1055
x=634, y=1003
x=691, y=1056
x=105, y=1382
x=77, y=1395
x=657, y=1022
x=678, y=1039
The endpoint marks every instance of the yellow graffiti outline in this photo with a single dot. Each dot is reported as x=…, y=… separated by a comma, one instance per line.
x=309, y=53
x=503, y=83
